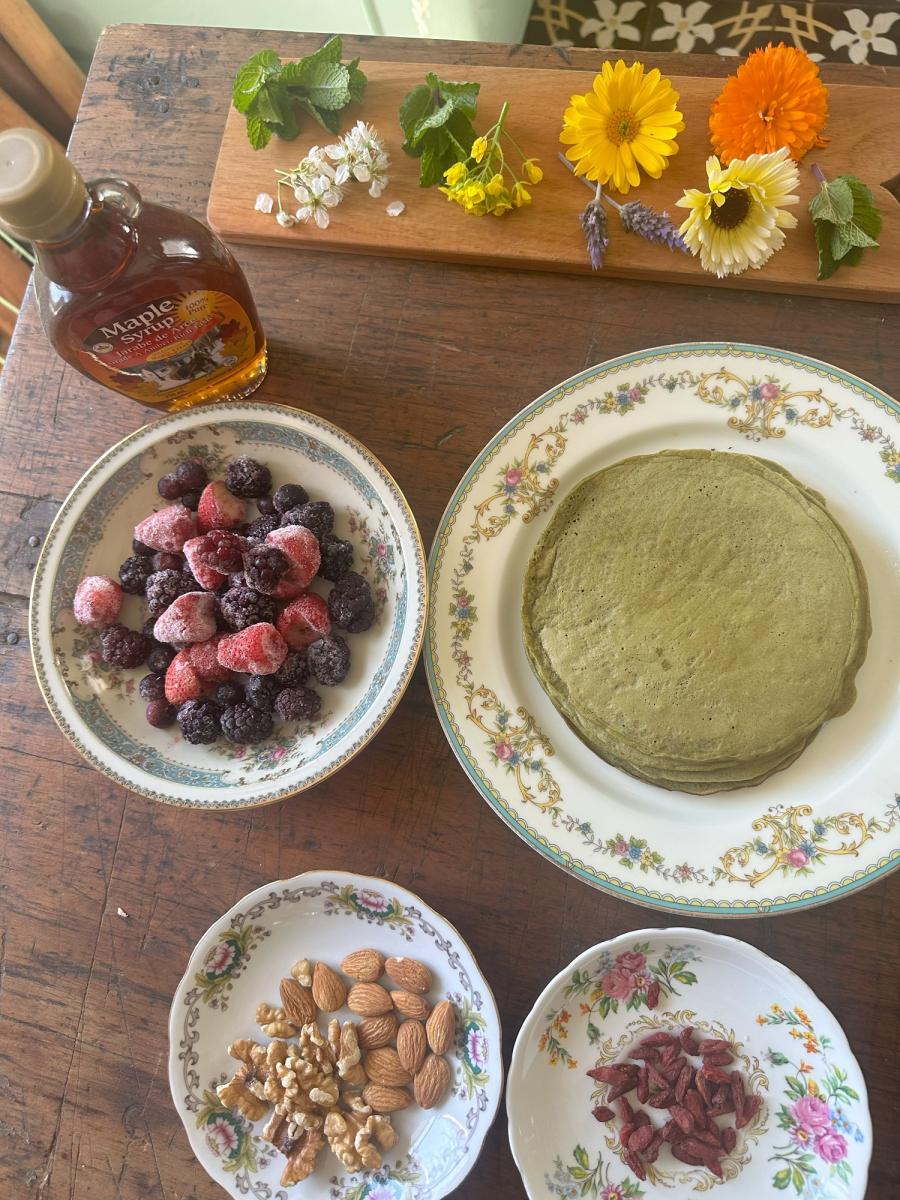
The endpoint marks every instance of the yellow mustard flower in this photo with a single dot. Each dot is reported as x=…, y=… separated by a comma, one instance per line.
x=456, y=173
x=533, y=172
x=484, y=182
x=521, y=195
x=495, y=185
x=479, y=149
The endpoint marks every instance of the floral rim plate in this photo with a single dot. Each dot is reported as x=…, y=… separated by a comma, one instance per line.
x=98, y=707
x=824, y=827
x=238, y=963
x=812, y=1136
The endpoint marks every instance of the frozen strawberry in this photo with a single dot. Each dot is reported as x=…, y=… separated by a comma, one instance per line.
x=257, y=650
x=98, y=601
x=304, y=621
x=167, y=529
x=189, y=618
x=218, y=509
x=182, y=680
x=301, y=547
x=203, y=657
x=206, y=576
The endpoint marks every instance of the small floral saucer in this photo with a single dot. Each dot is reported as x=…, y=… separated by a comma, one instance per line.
x=239, y=961
x=812, y=1137
x=98, y=707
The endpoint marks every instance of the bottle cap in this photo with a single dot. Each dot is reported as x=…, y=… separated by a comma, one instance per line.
x=41, y=193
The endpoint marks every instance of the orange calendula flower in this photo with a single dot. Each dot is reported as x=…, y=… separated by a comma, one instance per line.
x=775, y=99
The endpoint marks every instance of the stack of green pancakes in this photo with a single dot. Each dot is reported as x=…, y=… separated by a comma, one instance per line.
x=696, y=617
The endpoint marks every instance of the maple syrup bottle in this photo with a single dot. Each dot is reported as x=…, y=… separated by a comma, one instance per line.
x=141, y=298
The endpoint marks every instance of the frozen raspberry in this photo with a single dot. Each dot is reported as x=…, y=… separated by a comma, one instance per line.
x=182, y=681
x=293, y=672
x=134, y=573
x=138, y=547
x=266, y=506
x=304, y=621
x=242, y=606
x=264, y=565
x=191, y=475
x=258, y=530
x=329, y=660
x=337, y=557
x=122, y=647
x=227, y=694
x=160, y=713
x=298, y=704
x=317, y=515
x=302, y=549
x=247, y=477
x=153, y=687
x=222, y=550
x=288, y=496
x=160, y=656
x=189, y=618
x=165, y=586
x=258, y=650
x=208, y=577
x=199, y=722
x=261, y=691
x=191, y=500
x=244, y=724
x=203, y=657
x=98, y=601
x=167, y=529
x=164, y=561
x=350, y=603
x=218, y=509
x=170, y=487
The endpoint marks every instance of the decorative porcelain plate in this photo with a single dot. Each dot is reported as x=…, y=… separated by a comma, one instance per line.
x=824, y=827
x=239, y=961
x=98, y=707
x=812, y=1136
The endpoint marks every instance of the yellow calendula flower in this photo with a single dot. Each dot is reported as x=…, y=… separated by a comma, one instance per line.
x=739, y=221
x=479, y=149
x=456, y=173
x=533, y=172
x=521, y=195
x=627, y=123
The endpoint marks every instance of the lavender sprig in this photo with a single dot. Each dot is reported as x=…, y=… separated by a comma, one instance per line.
x=593, y=222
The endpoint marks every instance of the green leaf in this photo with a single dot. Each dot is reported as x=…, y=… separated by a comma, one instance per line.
x=845, y=222
x=687, y=977
x=796, y=1086
x=258, y=132
x=588, y=1186
x=413, y=108
x=593, y=1033
x=827, y=265
x=357, y=82
x=252, y=76
x=798, y=1179
x=271, y=102
x=833, y=202
x=778, y=1059
x=325, y=117
x=782, y=1178
x=325, y=84
x=581, y=1157
x=464, y=96
x=330, y=51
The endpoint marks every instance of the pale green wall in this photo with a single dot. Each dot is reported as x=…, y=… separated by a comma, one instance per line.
x=77, y=23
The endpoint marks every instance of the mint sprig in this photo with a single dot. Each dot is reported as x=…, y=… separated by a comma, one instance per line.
x=845, y=220
x=273, y=97
x=436, y=119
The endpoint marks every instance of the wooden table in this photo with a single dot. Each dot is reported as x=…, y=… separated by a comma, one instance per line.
x=105, y=893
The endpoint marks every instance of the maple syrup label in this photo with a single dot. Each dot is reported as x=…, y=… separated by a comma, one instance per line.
x=158, y=351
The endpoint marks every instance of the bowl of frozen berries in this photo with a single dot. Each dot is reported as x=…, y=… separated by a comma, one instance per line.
x=228, y=606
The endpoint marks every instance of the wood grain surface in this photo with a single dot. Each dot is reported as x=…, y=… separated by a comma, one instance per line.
x=547, y=235
x=424, y=362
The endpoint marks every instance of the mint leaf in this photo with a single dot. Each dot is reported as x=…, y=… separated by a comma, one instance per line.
x=464, y=96
x=845, y=222
x=435, y=118
x=324, y=117
x=258, y=132
x=271, y=103
x=357, y=82
x=326, y=85
x=251, y=77
x=865, y=214
x=329, y=52
x=833, y=202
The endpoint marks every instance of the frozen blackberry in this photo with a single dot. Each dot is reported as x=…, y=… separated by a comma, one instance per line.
x=134, y=573
x=337, y=557
x=165, y=586
x=160, y=713
x=261, y=691
x=242, y=606
x=164, y=561
x=161, y=654
x=236, y=580
x=191, y=475
x=298, y=704
x=259, y=530
x=264, y=565
x=122, y=647
x=266, y=505
x=293, y=672
x=228, y=694
x=199, y=721
x=329, y=660
x=317, y=516
x=169, y=487
x=153, y=687
x=191, y=500
x=350, y=603
x=288, y=496
x=247, y=477
x=147, y=629
x=138, y=547
x=244, y=724
x=222, y=550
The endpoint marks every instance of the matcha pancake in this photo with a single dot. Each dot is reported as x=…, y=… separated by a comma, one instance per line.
x=696, y=616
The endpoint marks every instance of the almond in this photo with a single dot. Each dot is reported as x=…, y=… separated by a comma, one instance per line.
x=385, y=1099
x=409, y=974
x=369, y=1000
x=297, y=1002
x=375, y=1032
x=408, y=1004
x=384, y=1066
x=412, y=1045
x=440, y=1027
x=366, y=966
x=432, y=1081
x=328, y=989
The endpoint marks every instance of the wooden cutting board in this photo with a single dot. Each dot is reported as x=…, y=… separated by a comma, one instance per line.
x=864, y=132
